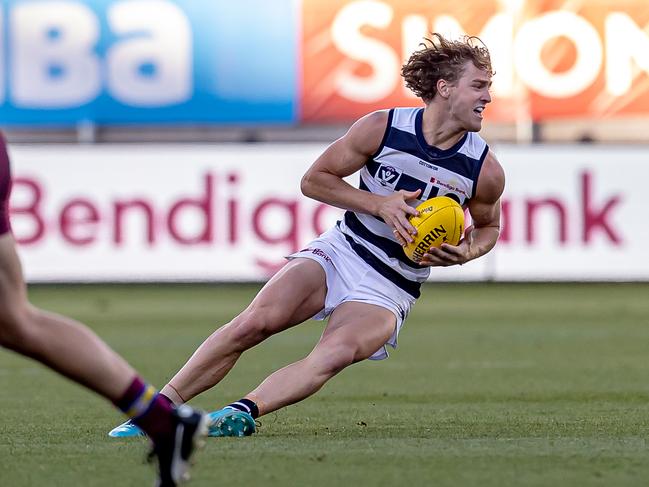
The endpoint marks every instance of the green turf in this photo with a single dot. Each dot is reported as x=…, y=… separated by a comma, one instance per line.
x=492, y=385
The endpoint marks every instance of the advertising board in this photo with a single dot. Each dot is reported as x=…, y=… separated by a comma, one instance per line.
x=232, y=212
x=66, y=62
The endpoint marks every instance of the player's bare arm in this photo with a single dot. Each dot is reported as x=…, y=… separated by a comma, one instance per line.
x=484, y=209
x=324, y=179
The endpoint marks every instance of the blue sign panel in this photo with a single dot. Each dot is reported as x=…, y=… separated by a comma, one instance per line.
x=147, y=61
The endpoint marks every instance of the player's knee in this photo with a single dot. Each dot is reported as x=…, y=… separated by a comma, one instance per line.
x=251, y=327
x=334, y=357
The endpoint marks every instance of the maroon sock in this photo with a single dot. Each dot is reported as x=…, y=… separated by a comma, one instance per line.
x=147, y=408
x=157, y=421
x=131, y=395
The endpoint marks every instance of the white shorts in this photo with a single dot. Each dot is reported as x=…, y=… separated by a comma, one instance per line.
x=350, y=278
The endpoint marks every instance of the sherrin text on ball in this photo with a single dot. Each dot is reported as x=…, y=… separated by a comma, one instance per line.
x=440, y=220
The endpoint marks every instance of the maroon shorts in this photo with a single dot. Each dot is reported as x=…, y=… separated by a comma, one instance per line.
x=5, y=187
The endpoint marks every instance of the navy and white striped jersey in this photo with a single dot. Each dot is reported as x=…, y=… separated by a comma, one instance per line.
x=405, y=161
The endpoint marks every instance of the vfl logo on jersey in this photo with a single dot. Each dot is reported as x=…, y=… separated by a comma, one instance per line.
x=388, y=175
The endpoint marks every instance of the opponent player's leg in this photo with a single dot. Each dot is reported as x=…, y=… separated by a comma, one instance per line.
x=58, y=342
x=355, y=332
x=293, y=295
x=77, y=353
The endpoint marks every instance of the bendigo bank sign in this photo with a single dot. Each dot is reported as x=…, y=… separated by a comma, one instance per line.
x=234, y=212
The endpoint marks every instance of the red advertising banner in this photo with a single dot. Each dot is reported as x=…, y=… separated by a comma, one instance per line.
x=552, y=58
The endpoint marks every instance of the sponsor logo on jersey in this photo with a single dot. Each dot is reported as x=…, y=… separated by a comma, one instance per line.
x=428, y=165
x=448, y=186
x=318, y=252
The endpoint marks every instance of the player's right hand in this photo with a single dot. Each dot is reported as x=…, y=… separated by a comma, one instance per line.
x=394, y=210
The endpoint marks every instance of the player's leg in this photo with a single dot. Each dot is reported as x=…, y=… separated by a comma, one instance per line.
x=77, y=353
x=355, y=332
x=74, y=351
x=296, y=293
x=293, y=295
x=58, y=342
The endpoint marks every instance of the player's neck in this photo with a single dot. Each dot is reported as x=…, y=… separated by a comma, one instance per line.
x=439, y=129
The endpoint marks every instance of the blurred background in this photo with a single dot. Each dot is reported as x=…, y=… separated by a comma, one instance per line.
x=161, y=140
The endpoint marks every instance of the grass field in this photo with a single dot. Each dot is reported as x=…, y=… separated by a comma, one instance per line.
x=492, y=385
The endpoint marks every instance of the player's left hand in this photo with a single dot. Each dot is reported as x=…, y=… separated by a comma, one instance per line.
x=447, y=255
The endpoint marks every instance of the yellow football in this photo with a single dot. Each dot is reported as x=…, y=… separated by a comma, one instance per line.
x=440, y=220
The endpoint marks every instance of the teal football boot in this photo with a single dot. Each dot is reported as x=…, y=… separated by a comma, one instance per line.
x=126, y=430
x=230, y=422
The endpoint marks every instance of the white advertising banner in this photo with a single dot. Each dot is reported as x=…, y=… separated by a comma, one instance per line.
x=574, y=213
x=232, y=212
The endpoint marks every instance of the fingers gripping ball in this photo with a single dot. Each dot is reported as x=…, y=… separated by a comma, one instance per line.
x=440, y=220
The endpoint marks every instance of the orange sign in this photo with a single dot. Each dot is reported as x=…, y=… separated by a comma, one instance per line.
x=552, y=58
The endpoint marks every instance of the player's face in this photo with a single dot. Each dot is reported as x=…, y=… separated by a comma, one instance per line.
x=470, y=97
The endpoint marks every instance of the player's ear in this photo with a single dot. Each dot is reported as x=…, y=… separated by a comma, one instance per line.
x=443, y=88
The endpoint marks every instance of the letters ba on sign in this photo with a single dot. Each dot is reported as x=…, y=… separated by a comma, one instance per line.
x=58, y=55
